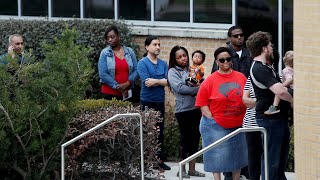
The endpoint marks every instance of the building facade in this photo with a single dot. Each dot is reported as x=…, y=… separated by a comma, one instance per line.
x=203, y=24
x=181, y=18
x=307, y=88
x=195, y=24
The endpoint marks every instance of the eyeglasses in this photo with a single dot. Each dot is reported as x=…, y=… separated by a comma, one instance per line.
x=237, y=35
x=222, y=60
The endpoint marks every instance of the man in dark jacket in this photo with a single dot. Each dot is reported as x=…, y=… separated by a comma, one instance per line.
x=241, y=59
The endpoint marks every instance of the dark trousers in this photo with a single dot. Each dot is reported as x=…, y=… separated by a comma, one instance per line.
x=255, y=150
x=189, y=132
x=157, y=106
x=278, y=147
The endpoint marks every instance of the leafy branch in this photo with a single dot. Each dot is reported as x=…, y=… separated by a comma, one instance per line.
x=37, y=103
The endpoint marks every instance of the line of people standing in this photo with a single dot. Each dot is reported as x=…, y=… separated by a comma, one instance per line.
x=118, y=69
x=220, y=106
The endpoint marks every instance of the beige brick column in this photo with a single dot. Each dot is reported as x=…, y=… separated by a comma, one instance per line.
x=307, y=88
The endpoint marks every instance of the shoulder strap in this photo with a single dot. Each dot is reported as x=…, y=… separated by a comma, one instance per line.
x=257, y=83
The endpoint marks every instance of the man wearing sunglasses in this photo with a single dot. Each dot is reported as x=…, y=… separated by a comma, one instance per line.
x=240, y=56
x=241, y=62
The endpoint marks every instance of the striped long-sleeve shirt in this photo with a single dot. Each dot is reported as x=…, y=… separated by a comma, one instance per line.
x=249, y=118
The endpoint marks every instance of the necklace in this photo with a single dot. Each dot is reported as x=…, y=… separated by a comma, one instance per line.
x=119, y=53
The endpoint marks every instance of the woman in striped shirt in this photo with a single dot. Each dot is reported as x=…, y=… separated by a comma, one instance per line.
x=254, y=141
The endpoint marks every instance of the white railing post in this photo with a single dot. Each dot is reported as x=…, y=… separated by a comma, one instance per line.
x=265, y=147
x=99, y=126
x=225, y=138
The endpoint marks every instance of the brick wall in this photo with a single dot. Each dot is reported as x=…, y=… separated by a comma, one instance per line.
x=307, y=88
x=208, y=46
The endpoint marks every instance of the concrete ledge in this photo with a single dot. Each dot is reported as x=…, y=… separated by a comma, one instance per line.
x=151, y=30
x=180, y=32
x=172, y=174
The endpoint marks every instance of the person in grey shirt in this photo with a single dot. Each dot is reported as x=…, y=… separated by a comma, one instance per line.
x=187, y=115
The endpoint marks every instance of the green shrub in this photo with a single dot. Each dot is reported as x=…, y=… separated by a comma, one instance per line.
x=171, y=135
x=92, y=104
x=36, y=105
x=290, y=163
x=91, y=34
x=114, y=150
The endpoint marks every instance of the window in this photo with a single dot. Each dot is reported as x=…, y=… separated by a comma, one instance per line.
x=8, y=7
x=171, y=10
x=218, y=14
x=287, y=26
x=99, y=9
x=135, y=9
x=34, y=8
x=66, y=8
x=262, y=16
x=212, y=11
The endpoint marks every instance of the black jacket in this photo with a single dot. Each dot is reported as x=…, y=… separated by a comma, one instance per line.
x=241, y=64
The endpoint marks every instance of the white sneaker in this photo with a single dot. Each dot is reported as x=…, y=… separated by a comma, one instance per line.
x=242, y=177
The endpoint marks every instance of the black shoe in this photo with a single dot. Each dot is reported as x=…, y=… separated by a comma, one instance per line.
x=245, y=172
x=227, y=175
x=164, y=166
x=184, y=175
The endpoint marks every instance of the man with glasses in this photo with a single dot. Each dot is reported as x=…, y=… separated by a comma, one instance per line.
x=266, y=84
x=241, y=62
x=241, y=59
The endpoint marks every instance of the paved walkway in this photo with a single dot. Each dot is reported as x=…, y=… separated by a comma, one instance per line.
x=172, y=174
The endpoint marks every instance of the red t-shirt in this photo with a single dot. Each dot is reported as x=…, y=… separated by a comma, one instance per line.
x=121, y=76
x=222, y=93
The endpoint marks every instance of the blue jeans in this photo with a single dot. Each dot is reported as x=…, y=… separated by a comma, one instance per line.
x=278, y=147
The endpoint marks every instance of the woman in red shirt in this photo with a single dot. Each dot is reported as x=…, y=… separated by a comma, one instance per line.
x=220, y=100
x=117, y=66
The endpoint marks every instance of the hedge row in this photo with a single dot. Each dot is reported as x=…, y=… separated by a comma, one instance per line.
x=112, y=152
x=35, y=32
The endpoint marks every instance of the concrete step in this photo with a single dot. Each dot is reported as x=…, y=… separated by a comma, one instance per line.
x=172, y=174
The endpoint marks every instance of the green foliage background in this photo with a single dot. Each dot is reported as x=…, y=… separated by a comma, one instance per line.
x=91, y=34
x=36, y=105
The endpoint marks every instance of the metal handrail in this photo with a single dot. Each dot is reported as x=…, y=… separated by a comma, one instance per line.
x=195, y=155
x=99, y=126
